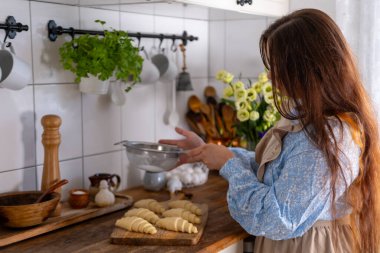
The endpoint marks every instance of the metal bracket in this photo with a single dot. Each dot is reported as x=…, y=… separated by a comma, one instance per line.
x=243, y=2
x=11, y=27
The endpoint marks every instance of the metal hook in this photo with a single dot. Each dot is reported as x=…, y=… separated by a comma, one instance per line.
x=173, y=47
x=139, y=41
x=161, y=40
x=72, y=32
x=7, y=44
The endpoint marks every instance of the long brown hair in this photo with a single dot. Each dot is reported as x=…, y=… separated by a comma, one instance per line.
x=310, y=61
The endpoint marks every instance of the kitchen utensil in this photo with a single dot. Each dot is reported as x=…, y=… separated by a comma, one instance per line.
x=51, y=189
x=19, y=209
x=194, y=104
x=173, y=116
x=161, y=61
x=79, y=198
x=229, y=118
x=15, y=72
x=149, y=73
x=162, y=237
x=172, y=71
x=154, y=181
x=113, y=181
x=193, y=125
x=51, y=138
x=197, y=120
x=210, y=92
x=153, y=157
x=183, y=79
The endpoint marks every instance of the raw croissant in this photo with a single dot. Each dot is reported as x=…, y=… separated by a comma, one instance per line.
x=185, y=204
x=143, y=213
x=150, y=204
x=136, y=224
x=177, y=224
x=184, y=214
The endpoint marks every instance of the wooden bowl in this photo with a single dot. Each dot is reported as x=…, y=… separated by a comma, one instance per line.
x=18, y=209
x=79, y=198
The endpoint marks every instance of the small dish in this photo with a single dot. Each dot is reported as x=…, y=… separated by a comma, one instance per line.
x=79, y=198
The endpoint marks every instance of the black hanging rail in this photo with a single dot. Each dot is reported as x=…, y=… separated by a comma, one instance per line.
x=11, y=27
x=54, y=31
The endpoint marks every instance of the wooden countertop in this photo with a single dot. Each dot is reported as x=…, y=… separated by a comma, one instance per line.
x=93, y=235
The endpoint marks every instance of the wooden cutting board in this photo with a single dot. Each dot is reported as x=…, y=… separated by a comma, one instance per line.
x=68, y=217
x=162, y=237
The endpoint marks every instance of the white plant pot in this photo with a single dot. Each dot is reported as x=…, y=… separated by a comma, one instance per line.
x=93, y=85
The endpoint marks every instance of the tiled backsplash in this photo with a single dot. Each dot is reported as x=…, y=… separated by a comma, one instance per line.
x=91, y=124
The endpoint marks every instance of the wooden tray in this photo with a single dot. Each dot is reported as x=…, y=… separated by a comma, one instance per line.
x=68, y=216
x=162, y=237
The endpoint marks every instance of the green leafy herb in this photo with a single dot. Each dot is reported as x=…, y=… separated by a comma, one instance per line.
x=103, y=56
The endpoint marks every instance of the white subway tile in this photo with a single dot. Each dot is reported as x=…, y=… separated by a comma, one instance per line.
x=17, y=146
x=131, y=176
x=105, y=163
x=217, y=46
x=197, y=50
x=64, y=101
x=89, y=15
x=22, y=42
x=101, y=124
x=46, y=59
x=242, y=47
x=138, y=114
x=18, y=180
x=72, y=171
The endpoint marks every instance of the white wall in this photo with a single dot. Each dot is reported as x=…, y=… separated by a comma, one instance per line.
x=234, y=45
x=90, y=123
x=327, y=6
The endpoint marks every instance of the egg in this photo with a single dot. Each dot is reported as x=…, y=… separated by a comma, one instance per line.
x=186, y=178
x=174, y=184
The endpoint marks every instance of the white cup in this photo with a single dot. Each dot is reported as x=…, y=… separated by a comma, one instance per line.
x=15, y=73
x=150, y=73
x=171, y=72
x=166, y=66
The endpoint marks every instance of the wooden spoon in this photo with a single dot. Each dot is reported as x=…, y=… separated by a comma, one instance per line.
x=209, y=125
x=51, y=189
x=210, y=92
x=194, y=104
x=229, y=118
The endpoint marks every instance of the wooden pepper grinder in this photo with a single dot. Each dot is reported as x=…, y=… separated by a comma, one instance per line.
x=51, y=138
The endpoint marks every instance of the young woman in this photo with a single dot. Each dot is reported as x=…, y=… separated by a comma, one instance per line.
x=313, y=183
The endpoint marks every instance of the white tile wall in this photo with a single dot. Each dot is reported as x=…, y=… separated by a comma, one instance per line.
x=65, y=101
x=70, y=170
x=91, y=124
x=46, y=65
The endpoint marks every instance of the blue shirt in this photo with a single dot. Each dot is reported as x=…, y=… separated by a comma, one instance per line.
x=295, y=192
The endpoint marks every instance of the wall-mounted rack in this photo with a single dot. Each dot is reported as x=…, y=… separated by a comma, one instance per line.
x=11, y=28
x=54, y=31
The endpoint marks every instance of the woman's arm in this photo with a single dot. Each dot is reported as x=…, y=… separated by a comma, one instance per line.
x=295, y=199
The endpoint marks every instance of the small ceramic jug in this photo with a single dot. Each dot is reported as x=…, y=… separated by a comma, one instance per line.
x=104, y=197
x=113, y=181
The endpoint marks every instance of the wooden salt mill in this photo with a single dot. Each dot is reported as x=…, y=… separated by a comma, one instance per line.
x=51, y=138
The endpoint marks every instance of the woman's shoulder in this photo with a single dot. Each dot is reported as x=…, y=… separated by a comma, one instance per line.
x=301, y=142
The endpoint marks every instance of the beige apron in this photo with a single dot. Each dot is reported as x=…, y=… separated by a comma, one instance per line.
x=319, y=238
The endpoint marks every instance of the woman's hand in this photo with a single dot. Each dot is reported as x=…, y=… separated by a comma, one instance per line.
x=191, y=141
x=214, y=156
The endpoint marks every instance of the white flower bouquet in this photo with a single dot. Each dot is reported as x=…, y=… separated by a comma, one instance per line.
x=254, y=106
